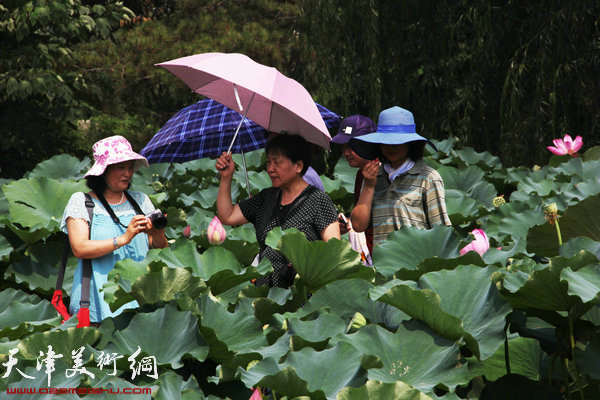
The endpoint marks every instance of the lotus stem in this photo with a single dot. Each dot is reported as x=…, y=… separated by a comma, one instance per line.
x=506, y=355
x=572, y=342
x=558, y=232
x=566, y=377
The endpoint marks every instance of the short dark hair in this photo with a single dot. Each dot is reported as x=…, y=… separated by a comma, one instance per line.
x=416, y=149
x=96, y=183
x=294, y=147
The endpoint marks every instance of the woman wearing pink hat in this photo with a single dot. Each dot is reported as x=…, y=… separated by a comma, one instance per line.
x=403, y=190
x=118, y=231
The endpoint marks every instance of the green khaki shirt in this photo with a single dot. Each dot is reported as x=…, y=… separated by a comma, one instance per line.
x=415, y=198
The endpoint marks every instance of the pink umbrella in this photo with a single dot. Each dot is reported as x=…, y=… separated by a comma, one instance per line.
x=261, y=93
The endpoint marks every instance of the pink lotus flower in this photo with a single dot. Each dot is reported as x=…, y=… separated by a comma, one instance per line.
x=215, y=232
x=566, y=146
x=256, y=395
x=187, y=231
x=480, y=243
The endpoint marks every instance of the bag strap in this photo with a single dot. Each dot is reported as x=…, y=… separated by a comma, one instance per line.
x=87, y=263
x=110, y=211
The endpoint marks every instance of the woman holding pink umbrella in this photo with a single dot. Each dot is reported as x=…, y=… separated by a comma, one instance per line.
x=290, y=203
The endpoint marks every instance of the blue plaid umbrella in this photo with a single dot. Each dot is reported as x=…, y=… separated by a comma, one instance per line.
x=206, y=129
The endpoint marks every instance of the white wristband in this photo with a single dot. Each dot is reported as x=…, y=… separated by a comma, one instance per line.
x=115, y=243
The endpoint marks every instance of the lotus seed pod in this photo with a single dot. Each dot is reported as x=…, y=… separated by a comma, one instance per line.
x=498, y=201
x=157, y=186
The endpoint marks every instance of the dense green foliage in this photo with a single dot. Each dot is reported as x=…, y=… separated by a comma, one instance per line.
x=502, y=76
x=425, y=322
x=41, y=98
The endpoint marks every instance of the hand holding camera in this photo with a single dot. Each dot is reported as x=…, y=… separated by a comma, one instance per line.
x=158, y=219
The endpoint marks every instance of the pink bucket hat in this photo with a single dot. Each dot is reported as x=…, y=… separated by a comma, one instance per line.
x=113, y=150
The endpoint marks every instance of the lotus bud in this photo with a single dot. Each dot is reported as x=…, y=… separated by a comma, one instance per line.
x=498, y=201
x=480, y=243
x=187, y=232
x=256, y=395
x=215, y=232
x=551, y=212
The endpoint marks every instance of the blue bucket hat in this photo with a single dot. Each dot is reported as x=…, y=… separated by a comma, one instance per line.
x=395, y=126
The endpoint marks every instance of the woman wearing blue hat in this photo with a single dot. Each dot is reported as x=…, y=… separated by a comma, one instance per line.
x=401, y=189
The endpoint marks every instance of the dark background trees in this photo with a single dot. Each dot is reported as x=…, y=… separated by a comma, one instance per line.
x=501, y=76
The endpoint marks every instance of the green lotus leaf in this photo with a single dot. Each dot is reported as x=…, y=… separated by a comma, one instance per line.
x=476, y=313
x=317, y=263
x=216, y=264
x=593, y=153
x=3, y=201
x=408, y=246
x=242, y=242
x=205, y=198
x=58, y=379
x=495, y=256
x=437, y=264
x=317, y=330
x=580, y=220
x=484, y=160
x=222, y=271
x=542, y=188
x=589, y=359
x=583, y=283
x=461, y=207
x=320, y=375
x=166, y=334
x=337, y=189
x=471, y=181
x=375, y=390
x=171, y=386
x=61, y=167
x=346, y=297
x=233, y=337
x=345, y=174
x=254, y=160
x=518, y=272
x=167, y=284
x=39, y=202
x=39, y=269
x=413, y=354
x=62, y=342
x=544, y=289
x=5, y=248
x=512, y=220
x=22, y=314
x=117, y=289
x=183, y=255
x=525, y=359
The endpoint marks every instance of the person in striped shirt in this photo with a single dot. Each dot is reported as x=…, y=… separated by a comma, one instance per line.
x=399, y=188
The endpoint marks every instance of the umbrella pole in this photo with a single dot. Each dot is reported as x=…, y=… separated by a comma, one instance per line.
x=240, y=124
x=246, y=173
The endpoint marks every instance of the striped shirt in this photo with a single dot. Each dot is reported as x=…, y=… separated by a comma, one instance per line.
x=415, y=198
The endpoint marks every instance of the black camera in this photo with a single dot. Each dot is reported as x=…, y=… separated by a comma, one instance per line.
x=159, y=221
